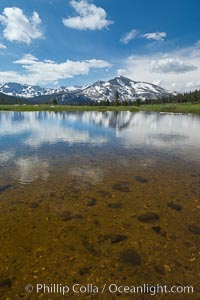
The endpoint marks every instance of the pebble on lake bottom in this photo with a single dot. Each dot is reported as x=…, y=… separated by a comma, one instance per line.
x=33, y=205
x=148, y=217
x=141, y=179
x=5, y=283
x=174, y=206
x=116, y=238
x=115, y=205
x=66, y=215
x=194, y=228
x=92, y=202
x=130, y=257
x=121, y=186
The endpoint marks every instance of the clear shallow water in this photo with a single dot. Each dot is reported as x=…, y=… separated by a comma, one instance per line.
x=76, y=179
x=30, y=141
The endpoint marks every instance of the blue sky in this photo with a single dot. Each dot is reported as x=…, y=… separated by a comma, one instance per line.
x=63, y=42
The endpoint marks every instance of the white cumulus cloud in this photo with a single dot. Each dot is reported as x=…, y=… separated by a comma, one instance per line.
x=19, y=27
x=177, y=70
x=157, y=36
x=129, y=36
x=35, y=71
x=89, y=16
x=171, y=65
x=193, y=84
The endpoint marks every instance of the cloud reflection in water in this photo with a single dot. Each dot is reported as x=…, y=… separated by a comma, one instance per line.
x=26, y=138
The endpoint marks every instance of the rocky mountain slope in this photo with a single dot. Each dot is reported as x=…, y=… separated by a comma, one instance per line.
x=125, y=88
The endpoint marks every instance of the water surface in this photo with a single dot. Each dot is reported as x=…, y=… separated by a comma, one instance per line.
x=76, y=187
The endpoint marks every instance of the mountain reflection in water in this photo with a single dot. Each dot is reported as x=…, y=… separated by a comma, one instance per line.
x=28, y=140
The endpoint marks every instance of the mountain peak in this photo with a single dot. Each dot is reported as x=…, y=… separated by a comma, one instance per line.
x=121, y=80
x=100, y=90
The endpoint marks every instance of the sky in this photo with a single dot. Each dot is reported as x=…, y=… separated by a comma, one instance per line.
x=55, y=43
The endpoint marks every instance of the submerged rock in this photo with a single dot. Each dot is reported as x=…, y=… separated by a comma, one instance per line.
x=77, y=216
x=104, y=194
x=159, y=269
x=97, y=223
x=116, y=238
x=157, y=229
x=103, y=238
x=194, y=228
x=84, y=271
x=130, y=257
x=196, y=175
x=121, y=186
x=141, y=179
x=92, y=202
x=66, y=215
x=33, y=205
x=89, y=247
x=5, y=187
x=148, y=217
x=115, y=205
x=174, y=206
x=5, y=283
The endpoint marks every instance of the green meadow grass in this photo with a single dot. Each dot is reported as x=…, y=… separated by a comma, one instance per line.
x=177, y=108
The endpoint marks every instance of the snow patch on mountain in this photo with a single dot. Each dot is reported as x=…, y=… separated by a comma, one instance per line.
x=126, y=89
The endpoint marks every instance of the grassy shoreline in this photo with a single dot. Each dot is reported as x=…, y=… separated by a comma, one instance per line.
x=176, y=108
